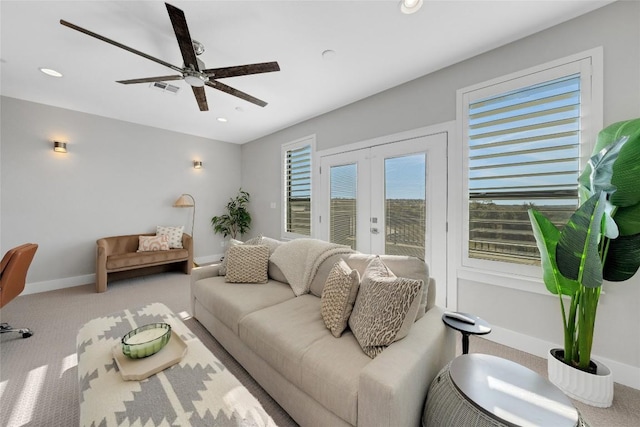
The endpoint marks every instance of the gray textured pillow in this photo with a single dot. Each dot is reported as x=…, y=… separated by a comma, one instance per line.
x=338, y=297
x=385, y=308
x=222, y=270
x=247, y=264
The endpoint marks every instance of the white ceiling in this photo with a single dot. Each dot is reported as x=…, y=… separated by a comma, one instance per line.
x=377, y=47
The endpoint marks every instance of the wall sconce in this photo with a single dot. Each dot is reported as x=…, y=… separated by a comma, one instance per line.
x=59, y=147
x=197, y=164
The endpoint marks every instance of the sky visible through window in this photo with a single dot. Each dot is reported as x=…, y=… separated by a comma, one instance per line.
x=404, y=178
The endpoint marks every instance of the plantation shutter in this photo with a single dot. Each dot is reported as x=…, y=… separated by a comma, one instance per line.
x=524, y=149
x=298, y=190
x=343, y=204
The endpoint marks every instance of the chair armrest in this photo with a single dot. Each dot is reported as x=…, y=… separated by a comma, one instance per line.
x=187, y=243
x=103, y=250
x=393, y=387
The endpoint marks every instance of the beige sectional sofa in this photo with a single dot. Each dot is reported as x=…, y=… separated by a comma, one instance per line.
x=321, y=380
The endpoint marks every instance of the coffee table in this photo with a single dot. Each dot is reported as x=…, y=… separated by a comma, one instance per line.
x=484, y=390
x=198, y=390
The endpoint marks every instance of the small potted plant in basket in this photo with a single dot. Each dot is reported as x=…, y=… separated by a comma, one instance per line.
x=601, y=241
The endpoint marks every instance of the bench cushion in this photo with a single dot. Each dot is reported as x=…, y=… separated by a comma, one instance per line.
x=141, y=259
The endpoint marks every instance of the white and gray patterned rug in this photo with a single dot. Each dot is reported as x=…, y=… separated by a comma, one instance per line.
x=197, y=391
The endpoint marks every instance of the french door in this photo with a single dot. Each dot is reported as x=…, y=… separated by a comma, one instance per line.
x=389, y=199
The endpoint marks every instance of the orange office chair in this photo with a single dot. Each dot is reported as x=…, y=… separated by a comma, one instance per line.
x=13, y=275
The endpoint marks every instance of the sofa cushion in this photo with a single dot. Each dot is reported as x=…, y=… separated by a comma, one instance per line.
x=385, y=308
x=233, y=242
x=318, y=282
x=153, y=243
x=331, y=372
x=231, y=302
x=247, y=264
x=283, y=333
x=402, y=266
x=173, y=233
x=140, y=259
x=338, y=297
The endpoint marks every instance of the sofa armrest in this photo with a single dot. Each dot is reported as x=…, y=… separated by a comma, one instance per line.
x=200, y=273
x=393, y=387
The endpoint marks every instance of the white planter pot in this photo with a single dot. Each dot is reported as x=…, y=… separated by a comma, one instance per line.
x=592, y=389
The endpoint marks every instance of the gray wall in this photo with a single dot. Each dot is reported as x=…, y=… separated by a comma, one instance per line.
x=432, y=100
x=117, y=178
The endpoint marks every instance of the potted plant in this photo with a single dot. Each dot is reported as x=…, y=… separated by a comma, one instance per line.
x=237, y=220
x=601, y=241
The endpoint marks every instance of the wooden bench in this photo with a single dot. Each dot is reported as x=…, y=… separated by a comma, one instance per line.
x=117, y=258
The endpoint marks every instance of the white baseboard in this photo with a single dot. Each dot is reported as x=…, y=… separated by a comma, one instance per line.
x=622, y=373
x=69, y=282
x=52, y=285
x=208, y=259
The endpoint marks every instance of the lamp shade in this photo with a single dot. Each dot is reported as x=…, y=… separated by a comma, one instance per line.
x=184, y=201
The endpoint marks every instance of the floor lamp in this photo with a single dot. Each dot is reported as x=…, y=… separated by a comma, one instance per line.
x=184, y=202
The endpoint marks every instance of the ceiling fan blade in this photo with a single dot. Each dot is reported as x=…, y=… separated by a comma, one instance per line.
x=150, y=80
x=242, y=70
x=120, y=45
x=179, y=23
x=201, y=97
x=235, y=92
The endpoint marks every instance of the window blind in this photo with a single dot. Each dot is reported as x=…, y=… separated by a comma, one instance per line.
x=524, y=151
x=298, y=190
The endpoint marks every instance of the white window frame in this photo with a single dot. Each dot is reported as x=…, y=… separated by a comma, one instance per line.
x=589, y=65
x=293, y=145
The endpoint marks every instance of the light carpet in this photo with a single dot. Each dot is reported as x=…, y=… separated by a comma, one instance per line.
x=38, y=375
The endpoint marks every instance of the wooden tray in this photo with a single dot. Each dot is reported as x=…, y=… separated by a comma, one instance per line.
x=139, y=369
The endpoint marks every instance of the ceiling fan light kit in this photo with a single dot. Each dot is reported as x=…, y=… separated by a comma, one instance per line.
x=193, y=71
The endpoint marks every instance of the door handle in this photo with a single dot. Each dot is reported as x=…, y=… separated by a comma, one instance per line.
x=374, y=231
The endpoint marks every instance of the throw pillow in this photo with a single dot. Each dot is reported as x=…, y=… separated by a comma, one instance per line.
x=339, y=294
x=153, y=243
x=174, y=234
x=247, y=264
x=222, y=269
x=385, y=308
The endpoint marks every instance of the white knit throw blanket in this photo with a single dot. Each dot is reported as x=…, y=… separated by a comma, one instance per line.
x=300, y=259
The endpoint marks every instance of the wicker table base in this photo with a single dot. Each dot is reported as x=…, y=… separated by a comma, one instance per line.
x=447, y=406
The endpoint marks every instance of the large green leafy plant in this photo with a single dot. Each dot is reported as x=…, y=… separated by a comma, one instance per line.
x=237, y=220
x=601, y=240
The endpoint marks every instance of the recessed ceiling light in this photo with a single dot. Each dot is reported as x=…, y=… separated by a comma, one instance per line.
x=410, y=6
x=222, y=119
x=50, y=72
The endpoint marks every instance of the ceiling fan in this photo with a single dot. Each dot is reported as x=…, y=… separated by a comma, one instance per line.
x=193, y=70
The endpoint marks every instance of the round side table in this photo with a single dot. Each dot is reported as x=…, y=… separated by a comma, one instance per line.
x=481, y=390
x=480, y=327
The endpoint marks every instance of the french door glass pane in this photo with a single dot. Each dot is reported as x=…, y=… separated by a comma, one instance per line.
x=342, y=213
x=405, y=205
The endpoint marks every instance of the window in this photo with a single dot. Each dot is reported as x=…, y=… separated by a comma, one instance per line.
x=526, y=140
x=297, y=161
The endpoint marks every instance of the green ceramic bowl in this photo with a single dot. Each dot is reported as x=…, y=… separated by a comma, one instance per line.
x=146, y=340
